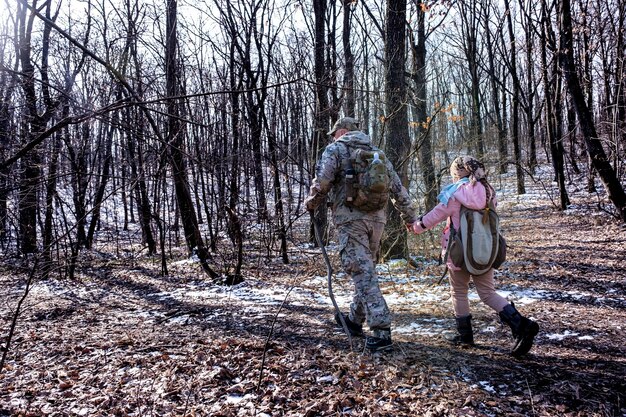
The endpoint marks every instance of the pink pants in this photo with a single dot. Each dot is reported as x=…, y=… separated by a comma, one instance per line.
x=459, y=286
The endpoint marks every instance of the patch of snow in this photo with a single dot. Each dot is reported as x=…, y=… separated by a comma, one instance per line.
x=486, y=386
x=187, y=261
x=327, y=378
x=234, y=399
x=585, y=338
x=415, y=297
x=395, y=263
x=178, y=319
x=561, y=336
x=421, y=329
x=523, y=296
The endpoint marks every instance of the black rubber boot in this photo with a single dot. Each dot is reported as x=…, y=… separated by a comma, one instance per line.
x=380, y=341
x=465, y=336
x=355, y=329
x=524, y=330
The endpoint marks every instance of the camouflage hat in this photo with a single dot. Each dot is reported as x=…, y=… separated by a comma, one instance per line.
x=348, y=123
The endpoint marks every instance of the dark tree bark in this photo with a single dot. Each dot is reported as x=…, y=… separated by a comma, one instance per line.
x=80, y=181
x=348, y=78
x=552, y=85
x=529, y=102
x=470, y=21
x=587, y=125
x=138, y=181
x=34, y=123
x=423, y=142
x=571, y=134
x=6, y=91
x=503, y=150
x=322, y=111
x=397, y=140
x=175, y=140
x=519, y=170
x=103, y=177
x=135, y=137
x=51, y=193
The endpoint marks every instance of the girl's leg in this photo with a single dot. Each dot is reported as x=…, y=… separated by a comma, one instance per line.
x=459, y=285
x=485, y=288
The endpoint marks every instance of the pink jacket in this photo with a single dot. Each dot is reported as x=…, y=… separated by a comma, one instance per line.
x=471, y=196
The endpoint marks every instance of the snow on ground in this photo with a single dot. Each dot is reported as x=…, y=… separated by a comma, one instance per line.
x=404, y=289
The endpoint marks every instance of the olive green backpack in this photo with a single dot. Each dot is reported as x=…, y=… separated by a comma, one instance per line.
x=367, y=180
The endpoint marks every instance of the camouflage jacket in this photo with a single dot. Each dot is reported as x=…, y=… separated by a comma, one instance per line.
x=330, y=180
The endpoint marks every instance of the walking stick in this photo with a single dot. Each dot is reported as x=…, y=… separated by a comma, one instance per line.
x=329, y=270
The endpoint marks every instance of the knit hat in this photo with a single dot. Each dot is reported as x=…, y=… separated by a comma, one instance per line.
x=348, y=123
x=468, y=166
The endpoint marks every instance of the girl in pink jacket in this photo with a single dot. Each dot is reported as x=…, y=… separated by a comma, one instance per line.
x=471, y=189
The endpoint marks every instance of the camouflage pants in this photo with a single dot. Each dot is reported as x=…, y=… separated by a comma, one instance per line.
x=359, y=242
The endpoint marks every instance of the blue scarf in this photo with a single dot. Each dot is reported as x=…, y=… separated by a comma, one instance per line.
x=449, y=190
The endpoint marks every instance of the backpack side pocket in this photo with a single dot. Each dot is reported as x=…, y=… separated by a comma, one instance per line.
x=456, y=251
x=501, y=254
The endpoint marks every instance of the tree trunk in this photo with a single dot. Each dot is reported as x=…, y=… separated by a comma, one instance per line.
x=348, y=79
x=594, y=146
x=423, y=142
x=530, y=93
x=503, y=153
x=175, y=140
x=469, y=22
x=103, y=181
x=521, y=189
x=322, y=111
x=571, y=134
x=397, y=139
x=5, y=136
x=34, y=123
x=51, y=191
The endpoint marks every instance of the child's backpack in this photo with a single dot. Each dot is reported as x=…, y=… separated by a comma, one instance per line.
x=367, y=180
x=478, y=245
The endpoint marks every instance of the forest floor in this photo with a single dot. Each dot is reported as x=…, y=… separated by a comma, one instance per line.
x=124, y=341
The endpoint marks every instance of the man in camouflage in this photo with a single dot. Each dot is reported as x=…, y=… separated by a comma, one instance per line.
x=359, y=232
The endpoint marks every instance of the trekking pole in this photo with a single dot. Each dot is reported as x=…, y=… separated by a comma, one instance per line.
x=329, y=271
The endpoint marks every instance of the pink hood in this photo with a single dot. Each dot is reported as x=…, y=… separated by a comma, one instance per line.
x=472, y=196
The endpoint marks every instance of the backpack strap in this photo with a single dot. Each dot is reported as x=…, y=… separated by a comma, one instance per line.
x=350, y=177
x=445, y=256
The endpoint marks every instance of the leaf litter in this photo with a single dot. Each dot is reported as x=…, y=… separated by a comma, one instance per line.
x=125, y=341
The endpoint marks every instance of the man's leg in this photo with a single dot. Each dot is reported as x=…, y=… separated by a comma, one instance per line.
x=357, y=259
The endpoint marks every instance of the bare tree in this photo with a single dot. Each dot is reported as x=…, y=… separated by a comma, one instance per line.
x=552, y=98
x=175, y=145
x=594, y=146
x=514, y=131
x=397, y=142
x=470, y=25
x=423, y=143
x=348, y=78
x=322, y=111
x=38, y=111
